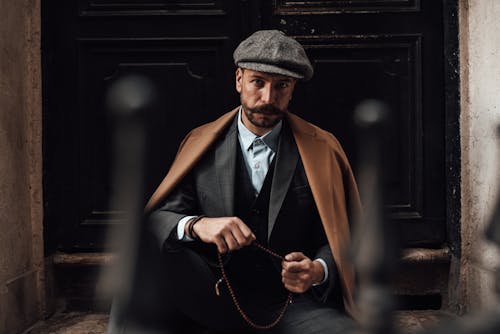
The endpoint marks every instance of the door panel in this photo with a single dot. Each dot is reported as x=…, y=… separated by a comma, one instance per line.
x=284, y=7
x=387, y=50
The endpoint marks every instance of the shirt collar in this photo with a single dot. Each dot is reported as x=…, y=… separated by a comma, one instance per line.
x=247, y=137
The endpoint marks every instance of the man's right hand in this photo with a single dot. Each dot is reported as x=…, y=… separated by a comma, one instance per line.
x=227, y=233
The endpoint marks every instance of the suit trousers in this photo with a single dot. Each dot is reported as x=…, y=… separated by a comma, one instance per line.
x=192, y=294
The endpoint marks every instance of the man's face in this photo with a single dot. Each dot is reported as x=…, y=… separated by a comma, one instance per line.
x=264, y=97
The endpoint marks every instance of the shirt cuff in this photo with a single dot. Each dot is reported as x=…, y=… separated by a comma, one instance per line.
x=325, y=269
x=181, y=225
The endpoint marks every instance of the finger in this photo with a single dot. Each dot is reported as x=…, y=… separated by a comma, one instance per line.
x=299, y=286
x=245, y=231
x=295, y=286
x=290, y=275
x=240, y=238
x=289, y=282
x=231, y=242
x=295, y=256
x=296, y=277
x=221, y=244
x=295, y=267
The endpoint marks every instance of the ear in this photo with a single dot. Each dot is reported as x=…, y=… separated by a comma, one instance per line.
x=239, y=79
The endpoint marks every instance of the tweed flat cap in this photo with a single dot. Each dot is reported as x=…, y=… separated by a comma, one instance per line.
x=272, y=51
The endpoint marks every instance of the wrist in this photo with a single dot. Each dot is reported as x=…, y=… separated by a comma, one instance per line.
x=186, y=228
x=191, y=227
x=319, y=272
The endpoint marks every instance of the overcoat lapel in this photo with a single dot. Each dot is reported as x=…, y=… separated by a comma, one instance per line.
x=225, y=168
x=286, y=162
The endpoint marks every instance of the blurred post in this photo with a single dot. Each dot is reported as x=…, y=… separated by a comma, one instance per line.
x=375, y=251
x=486, y=321
x=493, y=230
x=128, y=100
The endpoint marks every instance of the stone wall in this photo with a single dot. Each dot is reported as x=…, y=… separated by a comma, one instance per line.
x=480, y=116
x=21, y=242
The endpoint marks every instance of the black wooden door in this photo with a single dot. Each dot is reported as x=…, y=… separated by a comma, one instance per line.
x=386, y=49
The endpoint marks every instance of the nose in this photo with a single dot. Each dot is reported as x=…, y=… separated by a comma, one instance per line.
x=268, y=94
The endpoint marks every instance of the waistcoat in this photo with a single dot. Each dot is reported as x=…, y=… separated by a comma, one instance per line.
x=256, y=274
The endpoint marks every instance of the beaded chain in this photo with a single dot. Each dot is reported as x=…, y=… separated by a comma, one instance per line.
x=235, y=299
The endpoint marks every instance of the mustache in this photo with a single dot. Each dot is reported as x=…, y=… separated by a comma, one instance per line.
x=267, y=109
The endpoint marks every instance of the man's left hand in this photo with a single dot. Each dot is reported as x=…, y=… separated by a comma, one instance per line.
x=299, y=272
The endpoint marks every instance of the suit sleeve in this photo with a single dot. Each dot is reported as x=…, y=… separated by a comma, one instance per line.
x=181, y=202
x=322, y=292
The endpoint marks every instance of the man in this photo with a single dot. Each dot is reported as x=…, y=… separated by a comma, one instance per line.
x=260, y=175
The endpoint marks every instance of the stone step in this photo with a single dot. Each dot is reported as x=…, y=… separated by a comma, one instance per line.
x=96, y=323
x=420, y=282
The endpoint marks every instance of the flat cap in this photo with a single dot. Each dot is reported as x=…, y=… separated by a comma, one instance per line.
x=272, y=51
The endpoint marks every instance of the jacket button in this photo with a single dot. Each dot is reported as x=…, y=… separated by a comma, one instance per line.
x=256, y=211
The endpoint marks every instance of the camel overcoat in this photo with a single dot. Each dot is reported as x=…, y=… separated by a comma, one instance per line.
x=328, y=172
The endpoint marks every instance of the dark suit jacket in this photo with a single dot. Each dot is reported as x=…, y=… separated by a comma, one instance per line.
x=293, y=220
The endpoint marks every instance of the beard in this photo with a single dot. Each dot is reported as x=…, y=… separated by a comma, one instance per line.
x=265, y=116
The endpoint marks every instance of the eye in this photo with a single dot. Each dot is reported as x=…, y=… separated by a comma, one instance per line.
x=283, y=85
x=258, y=82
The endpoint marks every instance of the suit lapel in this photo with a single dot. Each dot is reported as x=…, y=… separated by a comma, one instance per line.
x=225, y=168
x=284, y=169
